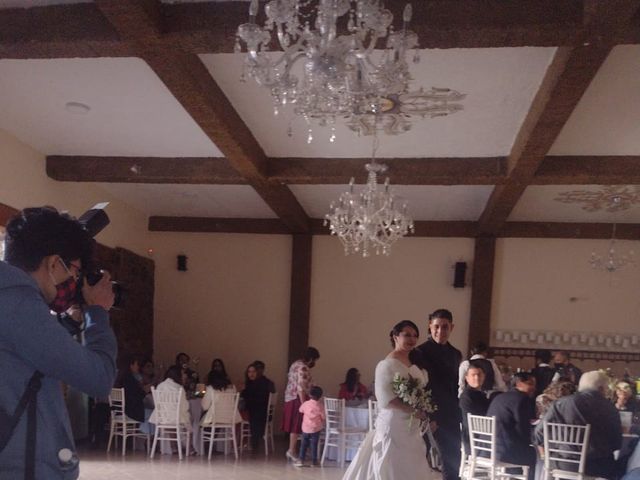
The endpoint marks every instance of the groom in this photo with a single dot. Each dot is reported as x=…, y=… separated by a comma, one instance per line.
x=441, y=360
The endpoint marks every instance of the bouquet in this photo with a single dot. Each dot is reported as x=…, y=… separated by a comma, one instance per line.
x=412, y=393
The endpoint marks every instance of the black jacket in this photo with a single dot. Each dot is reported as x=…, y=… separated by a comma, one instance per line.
x=544, y=375
x=514, y=412
x=133, y=397
x=441, y=363
x=474, y=402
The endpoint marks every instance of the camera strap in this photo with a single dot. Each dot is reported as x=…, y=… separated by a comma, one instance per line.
x=28, y=399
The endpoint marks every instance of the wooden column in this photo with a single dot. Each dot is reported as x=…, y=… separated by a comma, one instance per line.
x=300, y=295
x=482, y=290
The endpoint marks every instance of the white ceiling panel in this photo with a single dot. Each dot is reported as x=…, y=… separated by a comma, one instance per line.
x=607, y=118
x=500, y=84
x=232, y=201
x=425, y=202
x=131, y=111
x=538, y=204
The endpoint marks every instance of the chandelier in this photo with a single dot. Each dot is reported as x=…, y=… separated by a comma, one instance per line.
x=372, y=220
x=333, y=44
x=612, y=262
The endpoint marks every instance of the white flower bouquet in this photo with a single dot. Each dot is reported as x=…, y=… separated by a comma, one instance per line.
x=413, y=394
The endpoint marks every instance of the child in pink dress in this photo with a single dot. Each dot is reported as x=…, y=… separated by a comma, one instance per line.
x=312, y=425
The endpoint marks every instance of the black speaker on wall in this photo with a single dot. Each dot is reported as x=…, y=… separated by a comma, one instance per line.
x=459, y=274
x=182, y=263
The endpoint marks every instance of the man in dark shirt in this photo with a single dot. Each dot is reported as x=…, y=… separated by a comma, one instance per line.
x=472, y=400
x=543, y=371
x=441, y=360
x=514, y=410
x=590, y=407
x=564, y=367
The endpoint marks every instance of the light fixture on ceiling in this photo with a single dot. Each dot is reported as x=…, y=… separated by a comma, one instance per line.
x=343, y=76
x=372, y=220
x=613, y=199
x=77, y=108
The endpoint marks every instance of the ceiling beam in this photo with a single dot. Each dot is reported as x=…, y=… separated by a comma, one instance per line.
x=624, y=231
x=188, y=170
x=403, y=171
x=588, y=170
x=567, y=78
x=217, y=225
x=140, y=23
x=449, y=229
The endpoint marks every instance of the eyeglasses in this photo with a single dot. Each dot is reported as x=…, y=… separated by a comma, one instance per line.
x=71, y=274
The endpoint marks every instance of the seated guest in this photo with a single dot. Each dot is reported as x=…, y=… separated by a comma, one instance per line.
x=473, y=400
x=564, y=368
x=174, y=379
x=590, y=407
x=553, y=392
x=624, y=399
x=514, y=410
x=217, y=377
x=148, y=373
x=192, y=379
x=134, y=394
x=543, y=371
x=492, y=378
x=260, y=367
x=217, y=383
x=255, y=396
x=352, y=389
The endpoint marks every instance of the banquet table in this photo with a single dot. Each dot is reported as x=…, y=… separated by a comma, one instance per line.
x=356, y=417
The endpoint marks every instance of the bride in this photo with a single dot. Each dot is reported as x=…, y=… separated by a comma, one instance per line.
x=395, y=450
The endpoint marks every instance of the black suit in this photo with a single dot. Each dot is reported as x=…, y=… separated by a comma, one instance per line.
x=441, y=363
x=544, y=375
x=514, y=412
x=474, y=402
x=133, y=397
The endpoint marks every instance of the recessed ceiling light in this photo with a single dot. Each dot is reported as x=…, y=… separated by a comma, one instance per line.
x=77, y=108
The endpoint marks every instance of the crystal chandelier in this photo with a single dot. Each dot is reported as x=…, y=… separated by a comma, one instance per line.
x=343, y=76
x=372, y=220
x=612, y=262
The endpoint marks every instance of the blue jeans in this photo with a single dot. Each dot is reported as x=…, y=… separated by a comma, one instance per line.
x=309, y=438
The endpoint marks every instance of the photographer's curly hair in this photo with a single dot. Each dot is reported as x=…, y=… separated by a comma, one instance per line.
x=36, y=233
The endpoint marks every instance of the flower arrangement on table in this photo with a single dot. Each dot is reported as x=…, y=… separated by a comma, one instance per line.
x=413, y=394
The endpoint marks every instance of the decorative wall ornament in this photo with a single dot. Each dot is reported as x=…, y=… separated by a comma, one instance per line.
x=611, y=198
x=343, y=76
x=565, y=340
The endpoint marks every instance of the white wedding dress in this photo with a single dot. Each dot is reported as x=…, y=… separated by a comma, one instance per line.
x=395, y=450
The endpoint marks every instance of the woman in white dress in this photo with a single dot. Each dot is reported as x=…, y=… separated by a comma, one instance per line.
x=395, y=450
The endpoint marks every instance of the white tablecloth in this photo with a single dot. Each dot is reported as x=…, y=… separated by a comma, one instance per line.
x=357, y=417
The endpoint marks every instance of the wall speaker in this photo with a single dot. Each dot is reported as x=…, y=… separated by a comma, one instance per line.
x=459, y=274
x=182, y=263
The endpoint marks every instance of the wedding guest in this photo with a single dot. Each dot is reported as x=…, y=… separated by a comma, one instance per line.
x=218, y=378
x=514, y=411
x=260, y=367
x=192, y=379
x=472, y=400
x=441, y=360
x=255, y=396
x=493, y=381
x=564, y=367
x=506, y=372
x=134, y=394
x=624, y=399
x=590, y=407
x=553, y=392
x=173, y=382
x=543, y=371
x=299, y=383
x=148, y=379
x=352, y=389
x=313, y=417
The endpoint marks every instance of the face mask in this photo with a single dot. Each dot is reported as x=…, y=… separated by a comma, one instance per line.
x=65, y=295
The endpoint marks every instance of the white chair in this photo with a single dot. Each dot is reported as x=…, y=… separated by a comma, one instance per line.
x=565, y=444
x=223, y=424
x=245, y=435
x=336, y=433
x=373, y=414
x=168, y=426
x=482, y=459
x=268, y=428
x=121, y=425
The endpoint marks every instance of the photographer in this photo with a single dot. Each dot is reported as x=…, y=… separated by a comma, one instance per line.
x=45, y=252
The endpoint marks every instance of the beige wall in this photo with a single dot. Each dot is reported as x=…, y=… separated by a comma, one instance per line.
x=24, y=183
x=356, y=301
x=232, y=303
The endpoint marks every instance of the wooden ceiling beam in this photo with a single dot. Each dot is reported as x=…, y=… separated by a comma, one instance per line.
x=189, y=170
x=567, y=78
x=218, y=225
x=402, y=171
x=140, y=23
x=624, y=231
x=588, y=170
